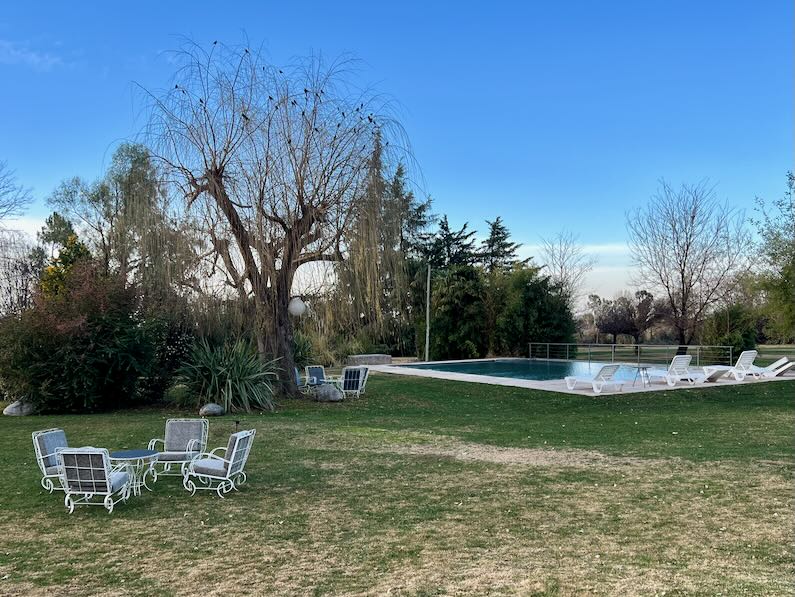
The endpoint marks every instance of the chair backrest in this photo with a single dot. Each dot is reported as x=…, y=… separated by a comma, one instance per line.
x=316, y=371
x=607, y=373
x=237, y=450
x=746, y=360
x=181, y=432
x=353, y=378
x=45, y=444
x=366, y=376
x=679, y=364
x=85, y=470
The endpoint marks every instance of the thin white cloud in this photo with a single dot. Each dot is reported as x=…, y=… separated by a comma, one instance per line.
x=15, y=53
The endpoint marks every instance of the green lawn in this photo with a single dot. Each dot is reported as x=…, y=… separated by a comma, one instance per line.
x=427, y=487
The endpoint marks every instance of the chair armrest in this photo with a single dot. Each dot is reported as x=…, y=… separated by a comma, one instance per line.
x=192, y=445
x=212, y=453
x=154, y=442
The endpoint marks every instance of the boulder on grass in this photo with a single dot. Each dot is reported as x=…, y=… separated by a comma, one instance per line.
x=19, y=409
x=211, y=409
x=327, y=393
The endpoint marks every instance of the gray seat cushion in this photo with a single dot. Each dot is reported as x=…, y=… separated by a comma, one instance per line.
x=209, y=466
x=117, y=480
x=51, y=470
x=48, y=442
x=176, y=456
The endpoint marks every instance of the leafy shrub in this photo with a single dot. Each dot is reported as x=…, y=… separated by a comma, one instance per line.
x=231, y=375
x=180, y=395
x=302, y=349
x=82, y=348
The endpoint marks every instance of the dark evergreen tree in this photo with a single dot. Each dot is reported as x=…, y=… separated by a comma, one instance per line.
x=497, y=251
x=447, y=247
x=56, y=230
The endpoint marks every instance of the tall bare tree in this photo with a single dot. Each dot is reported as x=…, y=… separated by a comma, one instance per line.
x=690, y=247
x=566, y=263
x=276, y=159
x=13, y=197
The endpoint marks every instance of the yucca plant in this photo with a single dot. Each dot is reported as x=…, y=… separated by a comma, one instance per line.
x=231, y=375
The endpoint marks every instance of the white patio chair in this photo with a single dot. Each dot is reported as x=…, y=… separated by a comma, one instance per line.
x=352, y=380
x=304, y=385
x=605, y=377
x=184, y=440
x=88, y=478
x=315, y=375
x=678, y=370
x=742, y=368
x=775, y=369
x=46, y=444
x=221, y=474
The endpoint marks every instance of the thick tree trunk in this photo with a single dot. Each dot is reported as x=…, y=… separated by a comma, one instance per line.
x=275, y=338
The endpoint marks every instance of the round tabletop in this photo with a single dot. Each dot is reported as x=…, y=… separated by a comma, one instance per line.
x=133, y=454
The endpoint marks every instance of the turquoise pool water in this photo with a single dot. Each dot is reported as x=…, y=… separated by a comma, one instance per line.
x=524, y=368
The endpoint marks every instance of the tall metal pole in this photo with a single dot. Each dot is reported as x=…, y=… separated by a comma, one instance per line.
x=428, y=313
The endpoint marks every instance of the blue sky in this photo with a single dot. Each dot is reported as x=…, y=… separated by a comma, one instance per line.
x=551, y=114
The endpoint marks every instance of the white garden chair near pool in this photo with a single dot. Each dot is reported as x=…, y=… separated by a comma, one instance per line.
x=46, y=444
x=184, y=440
x=742, y=368
x=89, y=479
x=604, y=378
x=352, y=381
x=775, y=369
x=221, y=474
x=315, y=375
x=678, y=370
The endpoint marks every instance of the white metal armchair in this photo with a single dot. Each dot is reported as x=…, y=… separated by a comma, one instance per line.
x=88, y=478
x=46, y=443
x=221, y=474
x=184, y=440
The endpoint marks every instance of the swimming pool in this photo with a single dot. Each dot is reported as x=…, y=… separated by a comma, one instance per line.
x=535, y=369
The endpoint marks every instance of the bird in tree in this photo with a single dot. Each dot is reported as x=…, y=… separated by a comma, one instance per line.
x=497, y=251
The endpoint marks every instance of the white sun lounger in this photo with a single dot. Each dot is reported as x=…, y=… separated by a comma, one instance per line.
x=604, y=377
x=678, y=370
x=775, y=369
x=744, y=366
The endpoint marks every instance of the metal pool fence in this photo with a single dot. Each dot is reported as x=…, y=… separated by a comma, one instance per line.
x=652, y=354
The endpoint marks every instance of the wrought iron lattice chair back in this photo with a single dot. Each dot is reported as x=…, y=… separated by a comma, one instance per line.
x=211, y=471
x=46, y=444
x=184, y=440
x=352, y=380
x=89, y=479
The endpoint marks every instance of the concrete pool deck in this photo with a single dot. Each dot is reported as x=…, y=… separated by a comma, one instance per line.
x=559, y=385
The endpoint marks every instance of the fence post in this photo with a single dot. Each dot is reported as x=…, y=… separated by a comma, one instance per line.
x=638, y=346
x=547, y=350
x=731, y=355
x=613, y=353
x=589, y=355
x=567, y=351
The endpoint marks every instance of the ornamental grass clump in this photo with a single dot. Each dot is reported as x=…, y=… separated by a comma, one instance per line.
x=232, y=375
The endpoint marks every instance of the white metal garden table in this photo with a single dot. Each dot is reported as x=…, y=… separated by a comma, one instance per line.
x=142, y=463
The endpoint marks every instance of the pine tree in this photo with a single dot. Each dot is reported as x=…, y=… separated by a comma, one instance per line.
x=497, y=251
x=448, y=247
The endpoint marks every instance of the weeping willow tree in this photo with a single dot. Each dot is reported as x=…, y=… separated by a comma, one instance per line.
x=127, y=221
x=369, y=302
x=276, y=162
